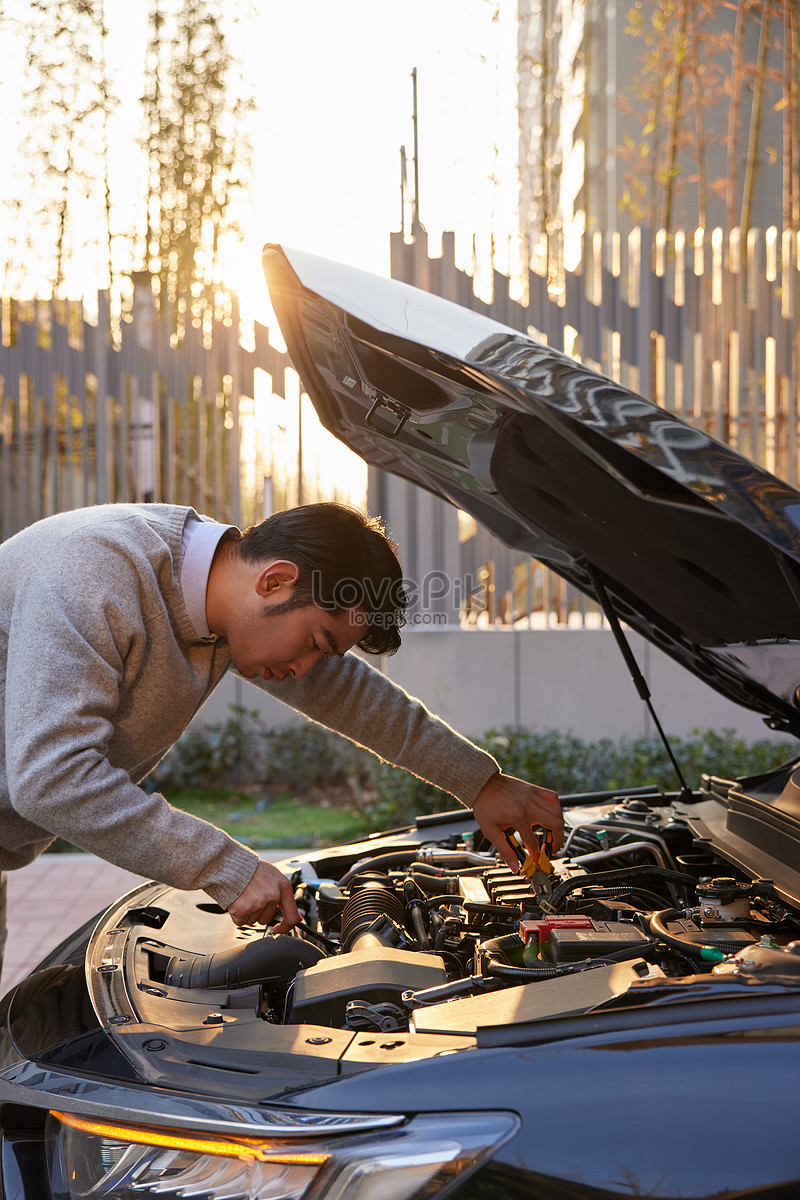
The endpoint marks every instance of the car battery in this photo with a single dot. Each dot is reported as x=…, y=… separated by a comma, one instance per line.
x=594, y=941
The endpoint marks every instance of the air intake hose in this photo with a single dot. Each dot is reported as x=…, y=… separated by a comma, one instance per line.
x=370, y=909
x=258, y=960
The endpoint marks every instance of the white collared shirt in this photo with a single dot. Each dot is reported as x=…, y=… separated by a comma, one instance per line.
x=201, y=536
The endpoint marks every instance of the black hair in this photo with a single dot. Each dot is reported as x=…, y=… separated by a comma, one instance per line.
x=346, y=561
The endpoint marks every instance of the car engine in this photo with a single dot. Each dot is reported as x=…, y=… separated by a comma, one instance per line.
x=397, y=933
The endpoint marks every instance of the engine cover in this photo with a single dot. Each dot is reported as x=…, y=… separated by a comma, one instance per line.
x=378, y=976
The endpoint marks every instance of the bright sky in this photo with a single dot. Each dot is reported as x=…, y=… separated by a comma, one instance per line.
x=334, y=93
x=337, y=104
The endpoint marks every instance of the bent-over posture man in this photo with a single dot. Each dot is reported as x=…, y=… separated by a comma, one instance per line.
x=116, y=624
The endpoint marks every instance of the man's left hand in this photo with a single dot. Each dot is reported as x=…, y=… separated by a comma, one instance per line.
x=507, y=803
x=267, y=890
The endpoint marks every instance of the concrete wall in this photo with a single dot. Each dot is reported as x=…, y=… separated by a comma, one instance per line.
x=571, y=680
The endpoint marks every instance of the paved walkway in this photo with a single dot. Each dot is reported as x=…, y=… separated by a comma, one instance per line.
x=55, y=895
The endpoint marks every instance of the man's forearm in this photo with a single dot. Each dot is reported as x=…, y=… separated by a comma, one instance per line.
x=352, y=698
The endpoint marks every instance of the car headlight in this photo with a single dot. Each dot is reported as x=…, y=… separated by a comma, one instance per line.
x=423, y=1159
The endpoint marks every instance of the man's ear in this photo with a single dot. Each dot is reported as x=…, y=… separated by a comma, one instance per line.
x=280, y=573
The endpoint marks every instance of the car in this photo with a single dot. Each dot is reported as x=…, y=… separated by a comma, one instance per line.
x=619, y=1018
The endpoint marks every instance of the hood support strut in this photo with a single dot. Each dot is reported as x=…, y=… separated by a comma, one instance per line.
x=639, y=681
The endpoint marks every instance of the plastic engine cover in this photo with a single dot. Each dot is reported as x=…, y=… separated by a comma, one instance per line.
x=321, y=992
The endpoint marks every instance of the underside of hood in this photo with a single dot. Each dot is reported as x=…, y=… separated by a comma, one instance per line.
x=697, y=548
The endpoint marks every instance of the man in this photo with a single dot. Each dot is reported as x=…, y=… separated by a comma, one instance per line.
x=116, y=624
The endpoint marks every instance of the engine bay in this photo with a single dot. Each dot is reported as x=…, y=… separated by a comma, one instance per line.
x=427, y=934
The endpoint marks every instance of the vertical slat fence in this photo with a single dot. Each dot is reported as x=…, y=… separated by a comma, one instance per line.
x=704, y=324
x=152, y=419
x=700, y=322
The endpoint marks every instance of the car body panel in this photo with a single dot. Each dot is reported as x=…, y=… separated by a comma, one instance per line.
x=698, y=547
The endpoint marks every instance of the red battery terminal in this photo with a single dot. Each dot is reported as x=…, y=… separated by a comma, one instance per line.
x=539, y=931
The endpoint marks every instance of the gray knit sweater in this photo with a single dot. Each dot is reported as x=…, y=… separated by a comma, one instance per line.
x=101, y=671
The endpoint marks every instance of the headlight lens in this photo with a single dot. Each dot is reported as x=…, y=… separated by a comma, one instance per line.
x=116, y=1162
x=419, y=1161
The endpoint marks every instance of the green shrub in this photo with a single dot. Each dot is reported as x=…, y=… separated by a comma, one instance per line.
x=300, y=757
x=571, y=765
x=297, y=759
x=206, y=756
x=399, y=796
x=239, y=752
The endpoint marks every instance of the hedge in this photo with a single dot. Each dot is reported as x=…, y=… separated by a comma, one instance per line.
x=239, y=752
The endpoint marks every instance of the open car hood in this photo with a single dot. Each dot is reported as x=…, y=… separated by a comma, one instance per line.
x=697, y=548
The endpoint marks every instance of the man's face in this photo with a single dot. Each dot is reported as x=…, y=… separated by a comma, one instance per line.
x=250, y=605
x=276, y=642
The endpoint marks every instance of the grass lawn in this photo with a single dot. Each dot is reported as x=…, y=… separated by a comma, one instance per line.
x=266, y=822
x=279, y=821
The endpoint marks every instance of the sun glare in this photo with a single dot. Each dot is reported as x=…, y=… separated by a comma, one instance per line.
x=283, y=443
x=296, y=460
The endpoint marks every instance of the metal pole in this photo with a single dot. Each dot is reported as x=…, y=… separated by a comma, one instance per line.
x=415, y=218
x=403, y=190
x=300, y=448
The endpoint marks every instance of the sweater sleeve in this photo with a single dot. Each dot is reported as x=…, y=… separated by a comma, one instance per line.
x=351, y=697
x=66, y=657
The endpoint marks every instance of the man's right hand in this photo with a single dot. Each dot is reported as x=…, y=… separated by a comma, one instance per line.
x=507, y=804
x=267, y=890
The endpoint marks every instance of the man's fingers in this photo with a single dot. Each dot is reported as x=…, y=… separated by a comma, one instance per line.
x=506, y=853
x=262, y=916
x=546, y=812
x=258, y=916
x=289, y=912
x=510, y=805
x=285, y=925
x=501, y=840
x=268, y=890
x=527, y=839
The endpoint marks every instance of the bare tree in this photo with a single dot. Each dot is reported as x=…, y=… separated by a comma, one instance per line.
x=196, y=144
x=679, y=60
x=61, y=167
x=538, y=65
x=108, y=104
x=748, y=184
x=790, y=123
x=654, y=92
x=734, y=119
x=709, y=45
x=699, y=121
